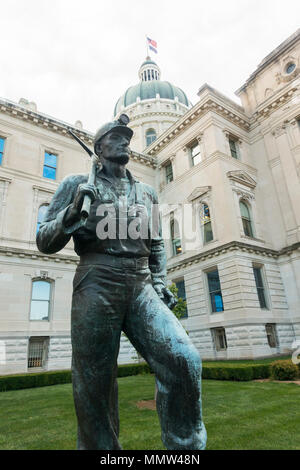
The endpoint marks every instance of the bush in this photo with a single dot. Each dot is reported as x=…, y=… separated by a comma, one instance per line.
x=133, y=369
x=240, y=372
x=284, y=370
x=42, y=379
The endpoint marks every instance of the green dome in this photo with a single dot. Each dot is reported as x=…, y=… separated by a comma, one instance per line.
x=148, y=90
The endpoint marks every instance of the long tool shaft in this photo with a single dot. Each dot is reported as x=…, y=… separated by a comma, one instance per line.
x=85, y=209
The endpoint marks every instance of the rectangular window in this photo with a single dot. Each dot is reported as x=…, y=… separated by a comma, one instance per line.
x=40, y=300
x=37, y=351
x=215, y=292
x=233, y=148
x=260, y=286
x=206, y=224
x=182, y=294
x=195, y=154
x=272, y=335
x=169, y=172
x=219, y=336
x=50, y=163
x=2, y=140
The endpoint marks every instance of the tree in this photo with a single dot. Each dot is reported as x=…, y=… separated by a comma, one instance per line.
x=180, y=308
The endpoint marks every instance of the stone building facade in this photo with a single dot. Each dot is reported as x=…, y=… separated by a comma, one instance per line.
x=228, y=183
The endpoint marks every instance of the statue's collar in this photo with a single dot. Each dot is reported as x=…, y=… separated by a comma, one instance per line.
x=131, y=178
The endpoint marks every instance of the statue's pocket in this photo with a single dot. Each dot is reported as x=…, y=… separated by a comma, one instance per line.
x=81, y=274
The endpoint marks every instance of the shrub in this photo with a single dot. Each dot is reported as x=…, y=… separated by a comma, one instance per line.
x=42, y=379
x=239, y=372
x=284, y=370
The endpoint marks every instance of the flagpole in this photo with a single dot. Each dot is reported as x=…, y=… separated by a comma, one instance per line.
x=147, y=46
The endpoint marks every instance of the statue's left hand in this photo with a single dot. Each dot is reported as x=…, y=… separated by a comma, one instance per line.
x=166, y=295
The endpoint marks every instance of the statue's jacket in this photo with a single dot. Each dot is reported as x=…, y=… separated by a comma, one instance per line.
x=105, y=216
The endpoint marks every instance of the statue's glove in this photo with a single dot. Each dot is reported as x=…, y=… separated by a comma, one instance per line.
x=73, y=214
x=165, y=295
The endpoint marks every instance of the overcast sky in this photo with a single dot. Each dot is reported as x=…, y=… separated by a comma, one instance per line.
x=75, y=58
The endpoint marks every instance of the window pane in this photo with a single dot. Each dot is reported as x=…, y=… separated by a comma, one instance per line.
x=50, y=159
x=195, y=150
x=208, y=234
x=247, y=228
x=244, y=210
x=233, y=148
x=213, y=281
x=41, y=290
x=39, y=310
x=49, y=172
x=1, y=145
x=169, y=173
x=258, y=278
x=216, y=302
x=42, y=212
x=215, y=292
x=181, y=289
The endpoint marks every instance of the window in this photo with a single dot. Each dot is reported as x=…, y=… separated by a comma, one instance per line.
x=215, y=292
x=175, y=237
x=272, y=335
x=206, y=224
x=246, y=219
x=41, y=215
x=219, y=336
x=195, y=154
x=260, y=287
x=1, y=149
x=50, y=162
x=150, y=136
x=233, y=147
x=181, y=294
x=290, y=68
x=37, y=351
x=40, y=300
x=169, y=172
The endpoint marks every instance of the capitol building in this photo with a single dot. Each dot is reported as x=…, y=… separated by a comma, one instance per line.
x=235, y=168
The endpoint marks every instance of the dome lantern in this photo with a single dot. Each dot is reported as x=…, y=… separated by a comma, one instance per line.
x=149, y=71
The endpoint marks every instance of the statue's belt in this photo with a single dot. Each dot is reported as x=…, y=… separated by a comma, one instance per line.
x=120, y=262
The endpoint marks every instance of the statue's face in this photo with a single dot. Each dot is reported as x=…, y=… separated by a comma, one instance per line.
x=115, y=147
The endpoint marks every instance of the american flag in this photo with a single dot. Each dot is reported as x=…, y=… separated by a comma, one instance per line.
x=152, y=45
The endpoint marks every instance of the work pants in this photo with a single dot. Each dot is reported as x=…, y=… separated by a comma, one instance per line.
x=107, y=301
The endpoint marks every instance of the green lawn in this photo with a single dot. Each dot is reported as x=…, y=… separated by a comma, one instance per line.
x=247, y=415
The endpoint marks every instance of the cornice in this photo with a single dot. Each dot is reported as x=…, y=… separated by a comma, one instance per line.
x=230, y=247
x=37, y=255
x=155, y=113
x=266, y=109
x=142, y=158
x=43, y=120
x=210, y=103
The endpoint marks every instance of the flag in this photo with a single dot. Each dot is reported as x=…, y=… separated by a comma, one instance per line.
x=152, y=45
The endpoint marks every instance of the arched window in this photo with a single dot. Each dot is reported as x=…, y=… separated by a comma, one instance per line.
x=40, y=300
x=207, y=232
x=41, y=215
x=150, y=136
x=246, y=219
x=175, y=237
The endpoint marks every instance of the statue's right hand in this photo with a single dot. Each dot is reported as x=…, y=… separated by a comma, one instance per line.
x=82, y=190
x=73, y=214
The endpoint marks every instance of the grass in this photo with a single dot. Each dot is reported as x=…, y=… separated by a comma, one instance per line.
x=248, y=415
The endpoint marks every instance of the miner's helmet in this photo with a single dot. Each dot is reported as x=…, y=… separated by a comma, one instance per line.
x=119, y=125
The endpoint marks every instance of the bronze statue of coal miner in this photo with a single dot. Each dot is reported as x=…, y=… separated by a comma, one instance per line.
x=120, y=285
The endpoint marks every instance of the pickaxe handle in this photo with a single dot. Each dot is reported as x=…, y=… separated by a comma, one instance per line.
x=85, y=210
